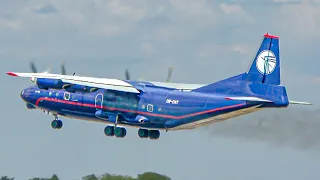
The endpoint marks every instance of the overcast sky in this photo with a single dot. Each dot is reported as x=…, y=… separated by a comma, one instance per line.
x=205, y=41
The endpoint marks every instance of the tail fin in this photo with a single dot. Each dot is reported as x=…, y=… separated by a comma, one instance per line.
x=266, y=64
x=264, y=69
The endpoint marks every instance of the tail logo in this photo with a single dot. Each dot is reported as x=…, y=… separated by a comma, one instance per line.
x=266, y=62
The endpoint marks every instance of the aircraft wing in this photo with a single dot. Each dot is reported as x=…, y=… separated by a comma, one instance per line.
x=101, y=83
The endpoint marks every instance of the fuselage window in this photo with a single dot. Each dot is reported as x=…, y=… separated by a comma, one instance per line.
x=150, y=107
x=66, y=96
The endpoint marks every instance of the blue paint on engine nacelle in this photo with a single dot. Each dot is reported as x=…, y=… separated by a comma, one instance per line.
x=79, y=88
x=45, y=83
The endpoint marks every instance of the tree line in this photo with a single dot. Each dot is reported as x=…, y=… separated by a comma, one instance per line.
x=107, y=176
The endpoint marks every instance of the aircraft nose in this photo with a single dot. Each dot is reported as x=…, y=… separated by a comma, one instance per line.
x=25, y=95
x=22, y=94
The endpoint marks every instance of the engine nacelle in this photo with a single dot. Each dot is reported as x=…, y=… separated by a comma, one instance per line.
x=46, y=83
x=78, y=88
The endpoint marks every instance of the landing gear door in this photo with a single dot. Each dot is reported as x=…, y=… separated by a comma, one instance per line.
x=99, y=101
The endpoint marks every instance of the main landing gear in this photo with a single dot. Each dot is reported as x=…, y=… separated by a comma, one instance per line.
x=121, y=132
x=56, y=123
x=118, y=132
x=151, y=134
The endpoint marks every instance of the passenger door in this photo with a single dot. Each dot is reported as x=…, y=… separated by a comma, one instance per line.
x=99, y=101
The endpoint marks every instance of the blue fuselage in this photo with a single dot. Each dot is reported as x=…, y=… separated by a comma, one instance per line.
x=159, y=108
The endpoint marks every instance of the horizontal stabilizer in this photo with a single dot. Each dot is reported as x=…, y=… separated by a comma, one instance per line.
x=300, y=103
x=244, y=98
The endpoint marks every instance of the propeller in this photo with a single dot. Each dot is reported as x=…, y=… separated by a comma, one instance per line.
x=127, y=75
x=169, y=74
x=168, y=77
x=34, y=69
x=63, y=69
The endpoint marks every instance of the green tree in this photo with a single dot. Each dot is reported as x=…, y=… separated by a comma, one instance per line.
x=6, y=178
x=90, y=177
x=54, y=177
x=152, y=176
x=115, y=177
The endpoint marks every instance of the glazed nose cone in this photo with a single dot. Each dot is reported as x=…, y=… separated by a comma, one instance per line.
x=23, y=95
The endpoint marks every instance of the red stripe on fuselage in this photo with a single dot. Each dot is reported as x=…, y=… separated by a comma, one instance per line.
x=134, y=111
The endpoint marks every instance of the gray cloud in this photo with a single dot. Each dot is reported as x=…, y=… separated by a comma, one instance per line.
x=46, y=9
x=293, y=128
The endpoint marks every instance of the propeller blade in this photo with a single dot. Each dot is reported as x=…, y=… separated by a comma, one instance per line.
x=127, y=75
x=33, y=67
x=63, y=69
x=169, y=74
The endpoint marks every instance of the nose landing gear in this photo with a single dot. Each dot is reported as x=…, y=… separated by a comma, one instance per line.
x=56, y=123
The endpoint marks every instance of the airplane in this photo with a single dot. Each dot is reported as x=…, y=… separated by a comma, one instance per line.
x=160, y=106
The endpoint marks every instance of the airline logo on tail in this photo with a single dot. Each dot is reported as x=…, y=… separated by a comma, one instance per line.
x=266, y=62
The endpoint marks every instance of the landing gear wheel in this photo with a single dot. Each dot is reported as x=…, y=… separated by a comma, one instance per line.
x=154, y=134
x=120, y=132
x=143, y=133
x=109, y=131
x=56, y=124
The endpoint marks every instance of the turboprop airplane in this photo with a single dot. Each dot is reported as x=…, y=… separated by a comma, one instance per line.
x=155, y=106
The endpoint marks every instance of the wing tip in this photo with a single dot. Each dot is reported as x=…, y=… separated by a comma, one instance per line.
x=11, y=74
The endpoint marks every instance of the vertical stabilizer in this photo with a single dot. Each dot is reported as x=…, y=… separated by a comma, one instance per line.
x=266, y=64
